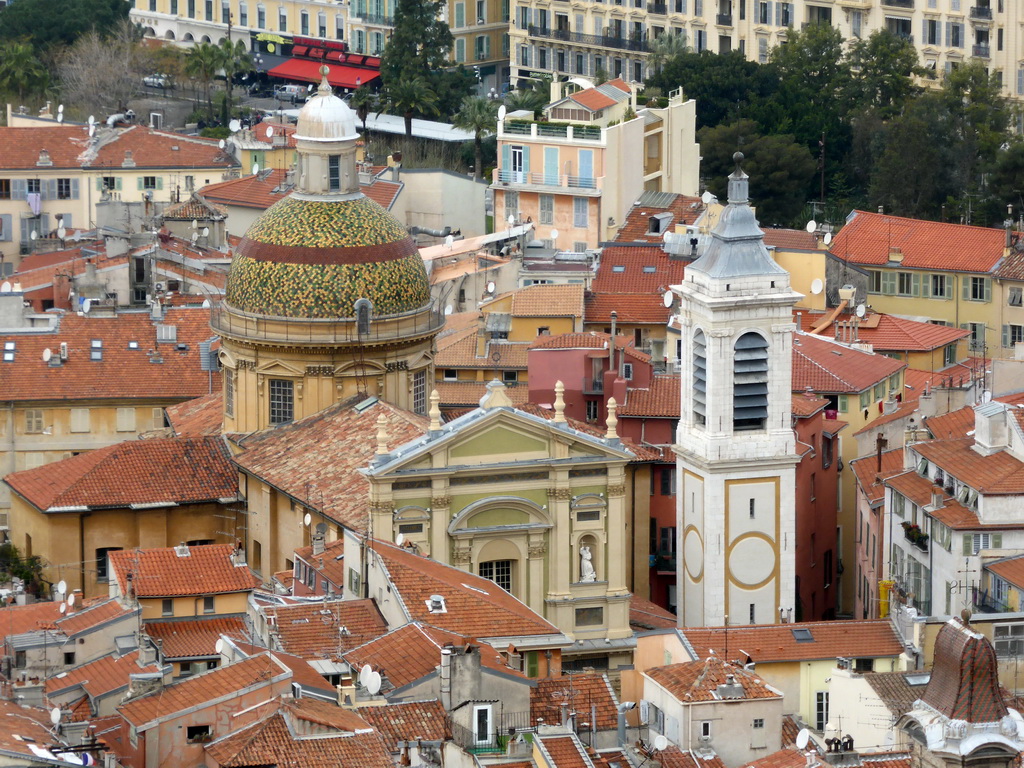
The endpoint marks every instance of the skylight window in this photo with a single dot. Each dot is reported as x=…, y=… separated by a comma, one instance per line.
x=8, y=351
x=619, y=268
x=96, y=350
x=650, y=269
x=802, y=635
x=133, y=345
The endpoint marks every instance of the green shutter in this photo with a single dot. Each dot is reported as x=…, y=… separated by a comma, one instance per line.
x=965, y=282
x=844, y=403
x=532, y=664
x=506, y=162
x=888, y=283
x=997, y=541
x=926, y=286
x=526, y=161
x=138, y=181
x=950, y=280
x=117, y=183
x=968, y=543
x=988, y=289
x=159, y=182
x=99, y=183
x=915, y=283
x=1006, y=336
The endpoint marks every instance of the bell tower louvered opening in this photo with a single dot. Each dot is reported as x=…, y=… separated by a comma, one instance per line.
x=750, y=383
x=700, y=379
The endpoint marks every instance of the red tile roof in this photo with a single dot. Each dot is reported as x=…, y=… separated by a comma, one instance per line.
x=644, y=614
x=902, y=410
x=312, y=630
x=890, y=333
x=262, y=190
x=868, y=238
x=582, y=693
x=684, y=210
x=459, y=350
x=336, y=738
x=123, y=372
x=329, y=564
x=1010, y=569
x=999, y=473
x=24, y=728
x=563, y=751
x=791, y=239
x=546, y=301
x=204, y=688
x=19, y=619
x=101, y=677
x=475, y=607
x=593, y=99
x=673, y=757
x=869, y=475
x=952, y=513
x=631, y=308
x=1012, y=266
x=790, y=757
x=660, y=400
x=195, y=639
x=69, y=147
x=467, y=394
x=292, y=458
x=825, y=366
x=965, y=676
x=200, y=417
x=133, y=472
x=408, y=721
x=951, y=425
x=206, y=570
x=699, y=680
x=91, y=615
x=637, y=269
x=778, y=642
x=807, y=404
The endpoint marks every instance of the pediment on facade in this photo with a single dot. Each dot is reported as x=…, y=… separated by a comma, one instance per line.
x=352, y=367
x=279, y=368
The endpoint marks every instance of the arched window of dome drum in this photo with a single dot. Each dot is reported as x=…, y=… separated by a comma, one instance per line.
x=750, y=382
x=334, y=172
x=700, y=379
x=363, y=310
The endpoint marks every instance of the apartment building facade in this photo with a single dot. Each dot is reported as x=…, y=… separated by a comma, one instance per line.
x=582, y=37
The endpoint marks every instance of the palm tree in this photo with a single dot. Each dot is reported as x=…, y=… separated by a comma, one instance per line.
x=526, y=98
x=478, y=115
x=364, y=101
x=665, y=48
x=202, y=63
x=407, y=97
x=20, y=70
x=235, y=61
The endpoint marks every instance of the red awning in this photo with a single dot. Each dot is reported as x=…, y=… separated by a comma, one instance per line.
x=335, y=55
x=309, y=72
x=316, y=53
x=300, y=50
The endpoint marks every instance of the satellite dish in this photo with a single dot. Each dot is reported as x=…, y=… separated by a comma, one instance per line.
x=92, y=120
x=71, y=599
x=34, y=234
x=307, y=519
x=811, y=225
x=219, y=645
x=400, y=539
x=490, y=286
x=255, y=168
x=234, y=126
x=62, y=587
x=816, y=286
x=55, y=715
x=827, y=238
x=364, y=674
x=861, y=309
x=802, y=738
x=373, y=684
x=448, y=310
x=47, y=354
x=502, y=111
x=60, y=117
x=92, y=131
x=195, y=224
x=6, y=287
x=221, y=143
x=206, y=231
x=195, y=236
x=63, y=609
x=554, y=234
x=270, y=131
x=61, y=232
x=86, y=306
x=511, y=219
x=660, y=742
x=667, y=299
x=448, y=241
x=60, y=108
x=206, y=304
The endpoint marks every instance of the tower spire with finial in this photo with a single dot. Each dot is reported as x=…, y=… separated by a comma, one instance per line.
x=739, y=184
x=325, y=87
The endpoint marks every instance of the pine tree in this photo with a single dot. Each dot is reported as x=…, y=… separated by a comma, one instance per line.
x=420, y=43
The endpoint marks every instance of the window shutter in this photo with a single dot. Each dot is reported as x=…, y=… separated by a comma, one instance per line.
x=526, y=161
x=506, y=160
x=889, y=283
x=988, y=289
x=99, y=183
x=965, y=281
x=6, y=227
x=949, y=24
x=159, y=182
x=74, y=189
x=915, y=281
x=843, y=403
x=20, y=189
x=950, y=280
x=968, y=544
x=1006, y=336
x=997, y=541
x=926, y=286
x=138, y=181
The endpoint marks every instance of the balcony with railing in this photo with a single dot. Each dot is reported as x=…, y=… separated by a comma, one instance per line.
x=982, y=12
x=551, y=131
x=374, y=19
x=899, y=3
x=724, y=19
x=506, y=725
x=607, y=40
x=987, y=602
x=659, y=8
x=981, y=51
x=916, y=536
x=593, y=386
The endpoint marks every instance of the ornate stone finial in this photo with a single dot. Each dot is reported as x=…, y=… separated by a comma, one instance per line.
x=612, y=420
x=559, y=403
x=325, y=87
x=435, y=412
x=739, y=185
x=382, y=435
x=496, y=396
x=737, y=158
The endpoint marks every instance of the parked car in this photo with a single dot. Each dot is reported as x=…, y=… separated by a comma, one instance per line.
x=292, y=93
x=158, y=81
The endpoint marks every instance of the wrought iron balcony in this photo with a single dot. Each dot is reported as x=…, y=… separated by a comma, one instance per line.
x=899, y=3
x=982, y=51
x=724, y=19
x=637, y=43
x=659, y=8
x=981, y=12
x=593, y=386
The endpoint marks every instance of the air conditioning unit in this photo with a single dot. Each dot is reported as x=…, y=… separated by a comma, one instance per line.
x=158, y=287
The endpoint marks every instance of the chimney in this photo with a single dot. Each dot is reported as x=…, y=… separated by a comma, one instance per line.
x=895, y=254
x=347, y=692
x=446, y=679
x=937, y=498
x=612, y=348
x=142, y=683
x=990, y=432
x=318, y=543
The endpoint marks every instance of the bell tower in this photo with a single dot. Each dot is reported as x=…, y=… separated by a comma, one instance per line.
x=735, y=448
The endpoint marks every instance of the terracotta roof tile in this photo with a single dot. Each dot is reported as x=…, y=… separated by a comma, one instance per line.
x=1011, y=267
x=699, y=680
x=193, y=208
x=252, y=191
x=124, y=372
x=869, y=475
x=644, y=614
x=101, y=677
x=133, y=472
x=207, y=569
x=292, y=458
x=807, y=404
x=684, y=210
x=790, y=729
x=887, y=760
x=867, y=238
x=409, y=720
x=593, y=99
x=91, y=615
x=919, y=490
x=464, y=394
x=631, y=308
x=475, y=607
x=901, y=411
x=951, y=425
x=582, y=692
x=68, y=147
x=312, y=630
x=645, y=269
x=329, y=563
x=563, y=751
x=337, y=737
x=778, y=642
x=825, y=366
x=195, y=639
x=895, y=691
x=200, y=417
x=791, y=757
x=459, y=351
x=965, y=676
x=674, y=757
x=999, y=473
x=19, y=619
x=20, y=725
x=890, y=333
x=660, y=400
x=548, y=301
x=203, y=688
x=1010, y=569
x=791, y=239
x=582, y=340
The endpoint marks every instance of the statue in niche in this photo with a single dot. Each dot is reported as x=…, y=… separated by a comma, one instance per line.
x=587, y=572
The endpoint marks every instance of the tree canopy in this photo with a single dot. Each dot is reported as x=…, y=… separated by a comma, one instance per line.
x=43, y=23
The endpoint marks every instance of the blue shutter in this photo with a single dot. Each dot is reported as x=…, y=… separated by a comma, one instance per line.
x=526, y=161
x=117, y=183
x=1006, y=336
x=19, y=189
x=74, y=189
x=99, y=183
x=6, y=227
x=506, y=163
